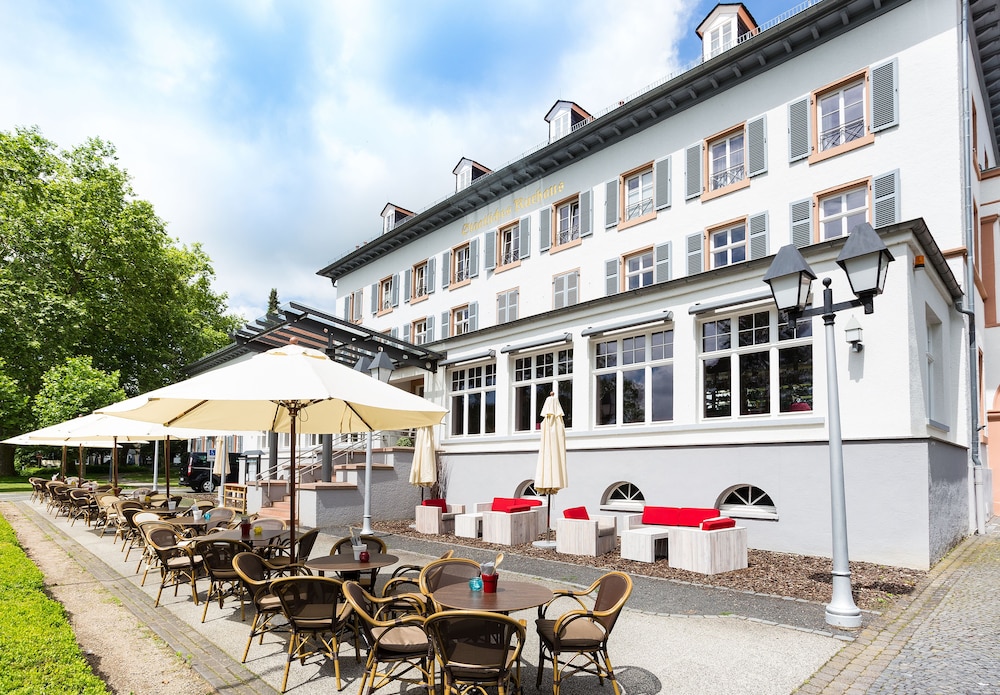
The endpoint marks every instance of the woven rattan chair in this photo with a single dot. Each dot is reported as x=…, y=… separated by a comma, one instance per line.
x=178, y=564
x=256, y=574
x=439, y=573
x=218, y=555
x=577, y=641
x=476, y=650
x=366, y=578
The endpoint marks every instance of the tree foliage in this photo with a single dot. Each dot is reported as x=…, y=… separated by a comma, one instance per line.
x=75, y=388
x=272, y=302
x=87, y=269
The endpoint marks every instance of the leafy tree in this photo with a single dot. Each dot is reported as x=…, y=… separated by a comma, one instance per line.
x=272, y=302
x=75, y=388
x=14, y=415
x=87, y=269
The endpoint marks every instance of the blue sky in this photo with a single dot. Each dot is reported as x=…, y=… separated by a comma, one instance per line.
x=274, y=132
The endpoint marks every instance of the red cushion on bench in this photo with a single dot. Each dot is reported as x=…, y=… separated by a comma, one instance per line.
x=519, y=508
x=576, y=513
x=661, y=516
x=717, y=523
x=693, y=516
x=439, y=503
x=504, y=504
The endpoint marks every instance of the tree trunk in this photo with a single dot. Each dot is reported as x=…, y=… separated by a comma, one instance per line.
x=7, y=460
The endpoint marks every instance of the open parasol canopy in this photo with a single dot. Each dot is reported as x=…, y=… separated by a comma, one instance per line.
x=290, y=389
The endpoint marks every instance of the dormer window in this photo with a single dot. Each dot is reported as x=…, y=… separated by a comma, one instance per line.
x=725, y=26
x=392, y=216
x=467, y=171
x=564, y=117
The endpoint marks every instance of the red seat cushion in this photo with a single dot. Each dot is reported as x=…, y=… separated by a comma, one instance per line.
x=717, y=522
x=519, y=508
x=576, y=513
x=505, y=504
x=439, y=503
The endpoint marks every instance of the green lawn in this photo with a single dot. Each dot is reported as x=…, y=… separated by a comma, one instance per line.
x=38, y=651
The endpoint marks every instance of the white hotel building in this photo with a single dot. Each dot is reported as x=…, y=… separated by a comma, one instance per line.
x=620, y=266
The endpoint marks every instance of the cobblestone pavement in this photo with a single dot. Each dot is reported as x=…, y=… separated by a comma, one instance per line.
x=945, y=638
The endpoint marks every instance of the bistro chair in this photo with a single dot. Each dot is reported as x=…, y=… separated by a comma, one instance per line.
x=106, y=512
x=316, y=617
x=136, y=538
x=396, y=640
x=279, y=552
x=178, y=564
x=218, y=554
x=366, y=578
x=37, y=489
x=82, y=505
x=577, y=641
x=121, y=523
x=476, y=650
x=149, y=557
x=256, y=575
x=439, y=573
x=406, y=578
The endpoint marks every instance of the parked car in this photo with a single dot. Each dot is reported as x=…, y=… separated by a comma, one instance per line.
x=196, y=472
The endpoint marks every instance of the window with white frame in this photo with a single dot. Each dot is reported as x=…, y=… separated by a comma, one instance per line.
x=564, y=289
x=418, y=331
x=509, y=241
x=535, y=377
x=420, y=276
x=728, y=245
x=725, y=161
x=355, y=306
x=624, y=496
x=385, y=294
x=635, y=379
x=841, y=115
x=460, y=320
x=749, y=502
x=638, y=269
x=567, y=222
x=473, y=393
x=842, y=211
x=638, y=194
x=935, y=369
x=720, y=39
x=460, y=263
x=507, y=306
x=753, y=365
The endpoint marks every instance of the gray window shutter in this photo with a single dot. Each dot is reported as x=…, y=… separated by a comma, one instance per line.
x=524, y=230
x=474, y=258
x=502, y=307
x=544, y=230
x=358, y=297
x=661, y=262
x=611, y=203
x=406, y=332
x=885, y=96
x=430, y=329
x=394, y=332
x=757, y=146
x=800, y=213
x=490, y=250
x=661, y=183
x=695, y=264
x=347, y=308
x=374, y=301
x=395, y=290
x=473, y=316
x=445, y=324
x=586, y=226
x=407, y=282
x=431, y=273
x=758, y=235
x=798, y=130
x=611, y=284
x=445, y=269
x=885, y=199
x=692, y=174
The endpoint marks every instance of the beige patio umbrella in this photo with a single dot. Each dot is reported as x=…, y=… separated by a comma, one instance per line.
x=423, y=473
x=286, y=389
x=29, y=439
x=550, y=472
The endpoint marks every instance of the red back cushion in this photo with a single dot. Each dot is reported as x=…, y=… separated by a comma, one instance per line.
x=693, y=516
x=664, y=516
x=576, y=513
x=504, y=504
x=718, y=522
x=439, y=503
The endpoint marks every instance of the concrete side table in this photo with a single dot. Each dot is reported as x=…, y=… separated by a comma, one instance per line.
x=643, y=543
x=708, y=552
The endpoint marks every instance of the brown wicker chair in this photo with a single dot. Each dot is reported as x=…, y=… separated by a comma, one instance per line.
x=476, y=650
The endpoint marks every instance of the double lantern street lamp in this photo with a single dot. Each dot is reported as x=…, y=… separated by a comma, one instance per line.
x=865, y=259
x=380, y=368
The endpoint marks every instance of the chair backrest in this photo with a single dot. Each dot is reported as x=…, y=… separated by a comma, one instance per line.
x=613, y=591
x=250, y=568
x=373, y=544
x=122, y=504
x=219, y=516
x=203, y=505
x=306, y=600
x=445, y=572
x=476, y=645
x=219, y=553
x=269, y=523
x=304, y=544
x=143, y=517
x=161, y=537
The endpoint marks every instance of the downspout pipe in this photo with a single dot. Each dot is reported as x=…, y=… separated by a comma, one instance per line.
x=978, y=488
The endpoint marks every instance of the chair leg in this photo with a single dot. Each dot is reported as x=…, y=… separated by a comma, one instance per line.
x=292, y=640
x=610, y=671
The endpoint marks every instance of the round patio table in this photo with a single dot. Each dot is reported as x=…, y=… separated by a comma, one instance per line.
x=256, y=541
x=347, y=563
x=188, y=521
x=510, y=596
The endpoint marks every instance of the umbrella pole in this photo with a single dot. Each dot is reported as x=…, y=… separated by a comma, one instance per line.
x=166, y=463
x=548, y=518
x=63, y=469
x=293, y=413
x=81, y=463
x=114, y=466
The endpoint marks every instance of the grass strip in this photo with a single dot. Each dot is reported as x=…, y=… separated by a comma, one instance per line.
x=38, y=651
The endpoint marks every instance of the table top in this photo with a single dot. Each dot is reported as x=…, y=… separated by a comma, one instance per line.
x=347, y=563
x=188, y=520
x=510, y=596
x=234, y=534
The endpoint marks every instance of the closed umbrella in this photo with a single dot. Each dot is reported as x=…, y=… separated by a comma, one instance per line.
x=424, y=470
x=550, y=473
x=286, y=389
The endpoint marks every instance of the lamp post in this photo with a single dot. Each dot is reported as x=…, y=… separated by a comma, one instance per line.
x=380, y=368
x=865, y=259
